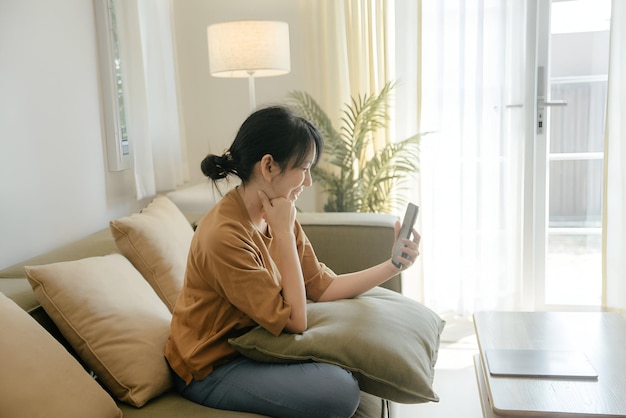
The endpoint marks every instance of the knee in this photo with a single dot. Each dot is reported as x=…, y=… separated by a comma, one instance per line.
x=343, y=394
x=350, y=398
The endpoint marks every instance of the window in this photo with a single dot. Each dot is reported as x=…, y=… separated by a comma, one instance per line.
x=112, y=85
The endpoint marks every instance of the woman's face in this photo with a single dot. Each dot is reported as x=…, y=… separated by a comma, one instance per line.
x=290, y=182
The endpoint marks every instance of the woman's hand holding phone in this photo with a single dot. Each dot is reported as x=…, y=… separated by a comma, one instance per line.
x=405, y=250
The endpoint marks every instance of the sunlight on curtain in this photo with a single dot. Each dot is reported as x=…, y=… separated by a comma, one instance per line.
x=351, y=37
x=408, y=63
x=471, y=168
x=146, y=44
x=614, y=228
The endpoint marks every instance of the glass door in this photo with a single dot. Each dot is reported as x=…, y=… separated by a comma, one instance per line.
x=571, y=87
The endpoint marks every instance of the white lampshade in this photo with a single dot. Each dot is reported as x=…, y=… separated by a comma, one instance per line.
x=248, y=48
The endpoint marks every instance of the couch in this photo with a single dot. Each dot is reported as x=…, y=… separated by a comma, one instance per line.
x=345, y=242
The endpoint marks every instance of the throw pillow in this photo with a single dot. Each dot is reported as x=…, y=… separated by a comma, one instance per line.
x=39, y=377
x=112, y=318
x=388, y=341
x=156, y=240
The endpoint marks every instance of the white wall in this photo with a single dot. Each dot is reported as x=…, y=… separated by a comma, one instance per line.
x=214, y=108
x=53, y=184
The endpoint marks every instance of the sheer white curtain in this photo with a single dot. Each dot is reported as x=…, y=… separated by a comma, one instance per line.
x=463, y=61
x=147, y=51
x=471, y=167
x=614, y=228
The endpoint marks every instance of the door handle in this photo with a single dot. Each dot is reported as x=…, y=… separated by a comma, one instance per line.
x=541, y=107
x=542, y=103
x=552, y=102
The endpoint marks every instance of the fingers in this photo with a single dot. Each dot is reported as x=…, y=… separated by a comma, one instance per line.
x=265, y=201
x=396, y=228
x=417, y=238
x=279, y=212
x=410, y=250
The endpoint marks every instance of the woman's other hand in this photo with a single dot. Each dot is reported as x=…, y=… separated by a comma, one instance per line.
x=411, y=247
x=279, y=213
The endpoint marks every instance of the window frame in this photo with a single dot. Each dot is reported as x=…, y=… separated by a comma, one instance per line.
x=118, y=146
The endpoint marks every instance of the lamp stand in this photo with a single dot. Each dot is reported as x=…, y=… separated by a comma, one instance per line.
x=251, y=91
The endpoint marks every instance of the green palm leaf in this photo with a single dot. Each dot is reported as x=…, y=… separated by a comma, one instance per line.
x=354, y=175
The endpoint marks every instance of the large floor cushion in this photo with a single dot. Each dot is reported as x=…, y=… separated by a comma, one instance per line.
x=39, y=378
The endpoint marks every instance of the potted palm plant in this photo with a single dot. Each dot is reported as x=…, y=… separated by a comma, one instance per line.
x=356, y=174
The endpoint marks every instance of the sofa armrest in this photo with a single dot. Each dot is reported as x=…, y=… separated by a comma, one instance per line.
x=348, y=242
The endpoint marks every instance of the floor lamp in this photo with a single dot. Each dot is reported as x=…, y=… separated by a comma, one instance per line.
x=249, y=49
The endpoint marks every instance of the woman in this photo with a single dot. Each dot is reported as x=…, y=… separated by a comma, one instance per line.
x=250, y=264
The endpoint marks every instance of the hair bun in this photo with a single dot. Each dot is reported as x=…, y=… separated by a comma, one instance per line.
x=216, y=167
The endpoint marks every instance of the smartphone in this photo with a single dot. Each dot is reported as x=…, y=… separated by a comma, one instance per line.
x=410, y=216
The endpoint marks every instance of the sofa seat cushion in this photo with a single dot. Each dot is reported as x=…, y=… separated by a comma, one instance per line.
x=171, y=404
x=156, y=240
x=39, y=377
x=387, y=340
x=112, y=318
x=19, y=291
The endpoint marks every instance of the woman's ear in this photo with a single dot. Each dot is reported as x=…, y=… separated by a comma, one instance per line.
x=268, y=167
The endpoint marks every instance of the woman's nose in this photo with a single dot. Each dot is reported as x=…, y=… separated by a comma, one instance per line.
x=308, y=180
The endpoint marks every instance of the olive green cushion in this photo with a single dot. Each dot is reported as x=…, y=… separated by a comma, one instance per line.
x=388, y=341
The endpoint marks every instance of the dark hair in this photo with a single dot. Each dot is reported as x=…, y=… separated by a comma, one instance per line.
x=275, y=130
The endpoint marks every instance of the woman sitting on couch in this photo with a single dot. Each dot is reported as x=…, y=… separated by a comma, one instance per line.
x=250, y=264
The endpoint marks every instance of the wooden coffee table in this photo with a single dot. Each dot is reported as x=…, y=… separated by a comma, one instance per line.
x=600, y=335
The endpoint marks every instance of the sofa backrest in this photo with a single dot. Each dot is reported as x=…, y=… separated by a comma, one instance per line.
x=345, y=242
x=357, y=240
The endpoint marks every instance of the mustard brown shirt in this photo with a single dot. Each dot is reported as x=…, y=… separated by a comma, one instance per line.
x=232, y=284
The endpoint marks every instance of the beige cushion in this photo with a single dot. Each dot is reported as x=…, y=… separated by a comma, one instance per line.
x=387, y=340
x=157, y=241
x=112, y=318
x=39, y=378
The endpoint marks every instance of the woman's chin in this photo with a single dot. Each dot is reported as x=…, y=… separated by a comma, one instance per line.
x=294, y=196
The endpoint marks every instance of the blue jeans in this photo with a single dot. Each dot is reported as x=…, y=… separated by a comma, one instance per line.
x=276, y=390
